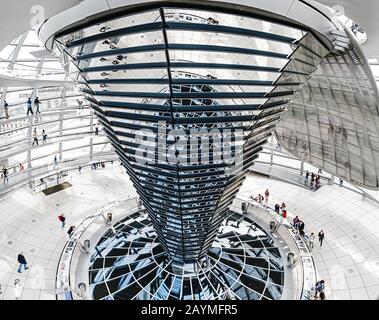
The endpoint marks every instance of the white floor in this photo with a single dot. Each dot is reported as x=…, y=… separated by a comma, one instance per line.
x=349, y=258
x=29, y=223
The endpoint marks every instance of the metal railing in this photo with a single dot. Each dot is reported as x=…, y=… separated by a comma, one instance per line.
x=280, y=158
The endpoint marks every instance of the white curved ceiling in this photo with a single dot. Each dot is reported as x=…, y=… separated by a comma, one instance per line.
x=17, y=17
x=365, y=13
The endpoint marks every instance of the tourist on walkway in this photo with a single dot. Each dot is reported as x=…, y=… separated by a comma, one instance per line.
x=6, y=109
x=295, y=221
x=306, y=177
x=22, y=261
x=29, y=106
x=55, y=161
x=62, y=219
x=311, y=241
x=267, y=194
x=35, y=137
x=321, y=237
x=44, y=136
x=17, y=289
x=317, y=182
x=319, y=287
x=80, y=169
x=5, y=176
x=36, y=103
x=70, y=231
x=277, y=208
x=80, y=103
x=301, y=226
x=341, y=182
x=21, y=167
x=283, y=206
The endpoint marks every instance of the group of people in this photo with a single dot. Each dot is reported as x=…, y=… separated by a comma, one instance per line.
x=62, y=219
x=296, y=222
x=95, y=165
x=35, y=137
x=5, y=172
x=314, y=179
x=260, y=198
x=279, y=208
x=29, y=106
x=300, y=225
x=23, y=264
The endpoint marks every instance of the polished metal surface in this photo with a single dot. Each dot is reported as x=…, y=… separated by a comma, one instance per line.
x=181, y=90
x=333, y=121
x=164, y=80
x=129, y=263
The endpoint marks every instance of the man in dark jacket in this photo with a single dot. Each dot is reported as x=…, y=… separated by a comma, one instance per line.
x=70, y=231
x=321, y=237
x=22, y=261
x=301, y=225
x=36, y=104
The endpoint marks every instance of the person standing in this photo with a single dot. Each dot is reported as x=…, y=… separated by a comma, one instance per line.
x=295, y=221
x=21, y=167
x=80, y=169
x=5, y=175
x=17, y=289
x=283, y=206
x=96, y=129
x=321, y=237
x=44, y=136
x=301, y=226
x=70, y=231
x=267, y=194
x=341, y=182
x=6, y=109
x=55, y=162
x=80, y=103
x=36, y=103
x=311, y=241
x=29, y=106
x=22, y=261
x=319, y=287
x=62, y=219
x=35, y=137
x=277, y=208
x=306, y=177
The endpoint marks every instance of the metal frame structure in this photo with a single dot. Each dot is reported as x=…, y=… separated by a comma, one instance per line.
x=154, y=71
